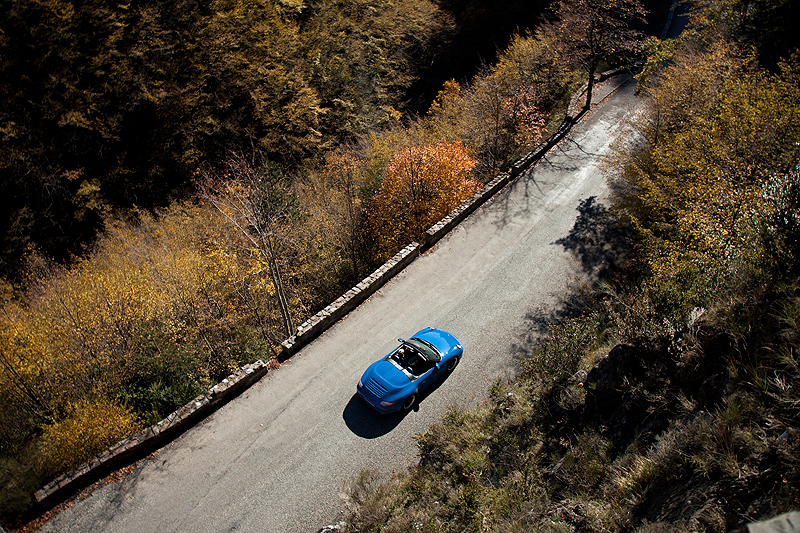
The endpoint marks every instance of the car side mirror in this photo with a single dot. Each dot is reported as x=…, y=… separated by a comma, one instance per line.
x=401, y=340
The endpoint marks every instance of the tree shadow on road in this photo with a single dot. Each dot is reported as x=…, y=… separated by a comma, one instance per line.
x=568, y=156
x=600, y=241
x=603, y=246
x=365, y=422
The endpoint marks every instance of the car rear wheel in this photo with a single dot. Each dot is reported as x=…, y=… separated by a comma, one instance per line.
x=453, y=364
x=409, y=402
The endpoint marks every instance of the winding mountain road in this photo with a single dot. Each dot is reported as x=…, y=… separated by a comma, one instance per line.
x=275, y=459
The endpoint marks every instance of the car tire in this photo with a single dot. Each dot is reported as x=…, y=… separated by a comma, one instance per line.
x=453, y=364
x=409, y=402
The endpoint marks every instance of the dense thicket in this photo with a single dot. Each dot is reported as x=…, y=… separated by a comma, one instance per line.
x=670, y=403
x=108, y=106
x=118, y=105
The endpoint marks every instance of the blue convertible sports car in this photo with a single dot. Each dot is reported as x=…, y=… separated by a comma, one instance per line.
x=394, y=382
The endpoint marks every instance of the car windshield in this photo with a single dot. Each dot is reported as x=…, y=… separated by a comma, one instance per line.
x=426, y=349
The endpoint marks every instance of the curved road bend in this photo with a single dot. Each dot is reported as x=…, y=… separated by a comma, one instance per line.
x=275, y=459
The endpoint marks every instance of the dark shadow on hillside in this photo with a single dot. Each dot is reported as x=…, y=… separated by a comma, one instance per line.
x=576, y=298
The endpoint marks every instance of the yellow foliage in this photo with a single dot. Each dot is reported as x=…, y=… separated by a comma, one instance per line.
x=496, y=116
x=333, y=232
x=446, y=114
x=156, y=304
x=717, y=128
x=90, y=427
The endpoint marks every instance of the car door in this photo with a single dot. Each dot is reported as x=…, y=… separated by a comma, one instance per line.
x=427, y=378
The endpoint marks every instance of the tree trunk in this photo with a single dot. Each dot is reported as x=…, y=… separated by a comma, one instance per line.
x=589, y=87
x=283, y=302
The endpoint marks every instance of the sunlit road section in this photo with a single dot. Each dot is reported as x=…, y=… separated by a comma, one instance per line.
x=275, y=459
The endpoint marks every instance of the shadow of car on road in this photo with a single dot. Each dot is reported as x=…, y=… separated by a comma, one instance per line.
x=367, y=423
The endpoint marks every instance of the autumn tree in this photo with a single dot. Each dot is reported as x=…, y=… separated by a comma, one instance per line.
x=347, y=187
x=500, y=114
x=334, y=200
x=719, y=134
x=164, y=307
x=254, y=197
x=529, y=63
x=760, y=24
x=502, y=117
x=422, y=184
x=496, y=117
x=587, y=33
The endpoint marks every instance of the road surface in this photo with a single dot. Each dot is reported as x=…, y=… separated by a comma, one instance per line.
x=275, y=459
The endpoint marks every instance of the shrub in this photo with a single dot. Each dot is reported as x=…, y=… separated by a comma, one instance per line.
x=89, y=428
x=561, y=353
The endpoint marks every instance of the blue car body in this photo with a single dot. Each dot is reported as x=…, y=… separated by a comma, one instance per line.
x=395, y=381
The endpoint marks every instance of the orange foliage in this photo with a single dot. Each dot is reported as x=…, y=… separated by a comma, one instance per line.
x=422, y=185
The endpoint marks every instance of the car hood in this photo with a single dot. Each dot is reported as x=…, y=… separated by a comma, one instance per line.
x=387, y=374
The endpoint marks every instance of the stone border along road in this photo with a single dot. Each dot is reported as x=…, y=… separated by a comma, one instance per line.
x=151, y=439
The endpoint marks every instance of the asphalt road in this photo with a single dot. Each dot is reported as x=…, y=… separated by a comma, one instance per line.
x=275, y=459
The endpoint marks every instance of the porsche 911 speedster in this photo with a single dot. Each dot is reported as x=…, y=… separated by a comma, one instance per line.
x=395, y=381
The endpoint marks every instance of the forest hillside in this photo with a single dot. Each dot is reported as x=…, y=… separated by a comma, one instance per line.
x=182, y=183
x=108, y=107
